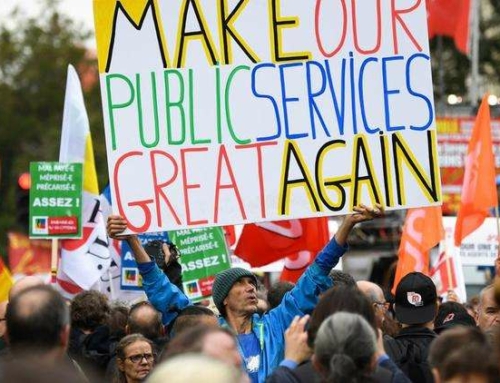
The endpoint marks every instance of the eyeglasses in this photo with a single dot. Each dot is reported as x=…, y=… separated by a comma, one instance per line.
x=139, y=357
x=385, y=305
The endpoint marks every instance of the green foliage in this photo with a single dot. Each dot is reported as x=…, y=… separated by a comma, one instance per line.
x=34, y=56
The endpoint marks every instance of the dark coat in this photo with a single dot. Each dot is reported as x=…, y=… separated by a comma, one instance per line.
x=409, y=350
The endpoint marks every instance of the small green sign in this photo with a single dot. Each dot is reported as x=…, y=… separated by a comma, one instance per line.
x=56, y=200
x=203, y=254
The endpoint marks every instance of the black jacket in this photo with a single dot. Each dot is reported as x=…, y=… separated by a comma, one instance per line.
x=409, y=350
x=386, y=372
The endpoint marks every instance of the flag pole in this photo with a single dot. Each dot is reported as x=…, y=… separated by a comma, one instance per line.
x=53, y=260
x=497, y=219
x=448, y=268
x=474, y=87
x=447, y=259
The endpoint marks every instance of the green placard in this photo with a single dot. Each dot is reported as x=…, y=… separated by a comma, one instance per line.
x=203, y=254
x=56, y=200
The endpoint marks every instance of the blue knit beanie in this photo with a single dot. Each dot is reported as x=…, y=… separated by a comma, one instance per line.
x=223, y=283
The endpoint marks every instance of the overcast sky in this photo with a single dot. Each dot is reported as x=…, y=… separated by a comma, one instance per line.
x=79, y=10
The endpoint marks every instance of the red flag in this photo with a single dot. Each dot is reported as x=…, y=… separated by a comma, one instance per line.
x=230, y=234
x=28, y=256
x=450, y=18
x=443, y=274
x=479, y=193
x=423, y=229
x=266, y=242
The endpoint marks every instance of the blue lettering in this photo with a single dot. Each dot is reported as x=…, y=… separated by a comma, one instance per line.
x=313, y=107
x=286, y=99
x=362, y=95
x=270, y=98
x=416, y=94
x=388, y=92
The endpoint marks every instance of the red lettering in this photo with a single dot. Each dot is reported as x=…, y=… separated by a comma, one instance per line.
x=187, y=186
x=142, y=204
x=355, y=29
x=158, y=187
x=395, y=15
x=262, y=194
x=224, y=159
x=317, y=16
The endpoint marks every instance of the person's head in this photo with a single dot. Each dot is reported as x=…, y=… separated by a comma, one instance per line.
x=37, y=370
x=335, y=299
x=451, y=314
x=277, y=291
x=144, y=319
x=166, y=255
x=341, y=278
x=135, y=358
x=376, y=296
x=24, y=283
x=463, y=354
x=188, y=368
x=192, y=316
x=471, y=306
x=416, y=300
x=162, y=252
x=89, y=309
x=38, y=322
x=344, y=349
x=117, y=320
x=488, y=312
x=235, y=290
x=217, y=342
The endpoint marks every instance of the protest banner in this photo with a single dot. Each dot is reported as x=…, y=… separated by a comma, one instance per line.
x=28, y=256
x=453, y=138
x=130, y=277
x=221, y=113
x=56, y=200
x=203, y=254
x=479, y=248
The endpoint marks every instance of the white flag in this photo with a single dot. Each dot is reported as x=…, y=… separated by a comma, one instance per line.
x=83, y=261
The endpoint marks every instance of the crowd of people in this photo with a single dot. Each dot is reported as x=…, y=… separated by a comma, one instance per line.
x=326, y=328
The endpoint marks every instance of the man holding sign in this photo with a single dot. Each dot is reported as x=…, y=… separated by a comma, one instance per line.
x=234, y=291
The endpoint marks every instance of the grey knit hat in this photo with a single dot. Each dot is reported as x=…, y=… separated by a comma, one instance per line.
x=223, y=283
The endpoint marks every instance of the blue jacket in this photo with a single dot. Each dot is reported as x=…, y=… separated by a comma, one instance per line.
x=268, y=328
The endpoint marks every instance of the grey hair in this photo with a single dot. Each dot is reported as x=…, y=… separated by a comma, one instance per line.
x=345, y=345
x=482, y=293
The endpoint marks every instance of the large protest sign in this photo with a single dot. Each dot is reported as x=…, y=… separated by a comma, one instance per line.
x=220, y=112
x=56, y=200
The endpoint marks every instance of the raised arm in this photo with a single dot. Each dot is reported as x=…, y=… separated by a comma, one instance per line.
x=163, y=294
x=361, y=213
x=117, y=225
x=304, y=296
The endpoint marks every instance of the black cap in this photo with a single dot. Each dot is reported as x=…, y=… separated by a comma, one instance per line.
x=452, y=314
x=415, y=301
